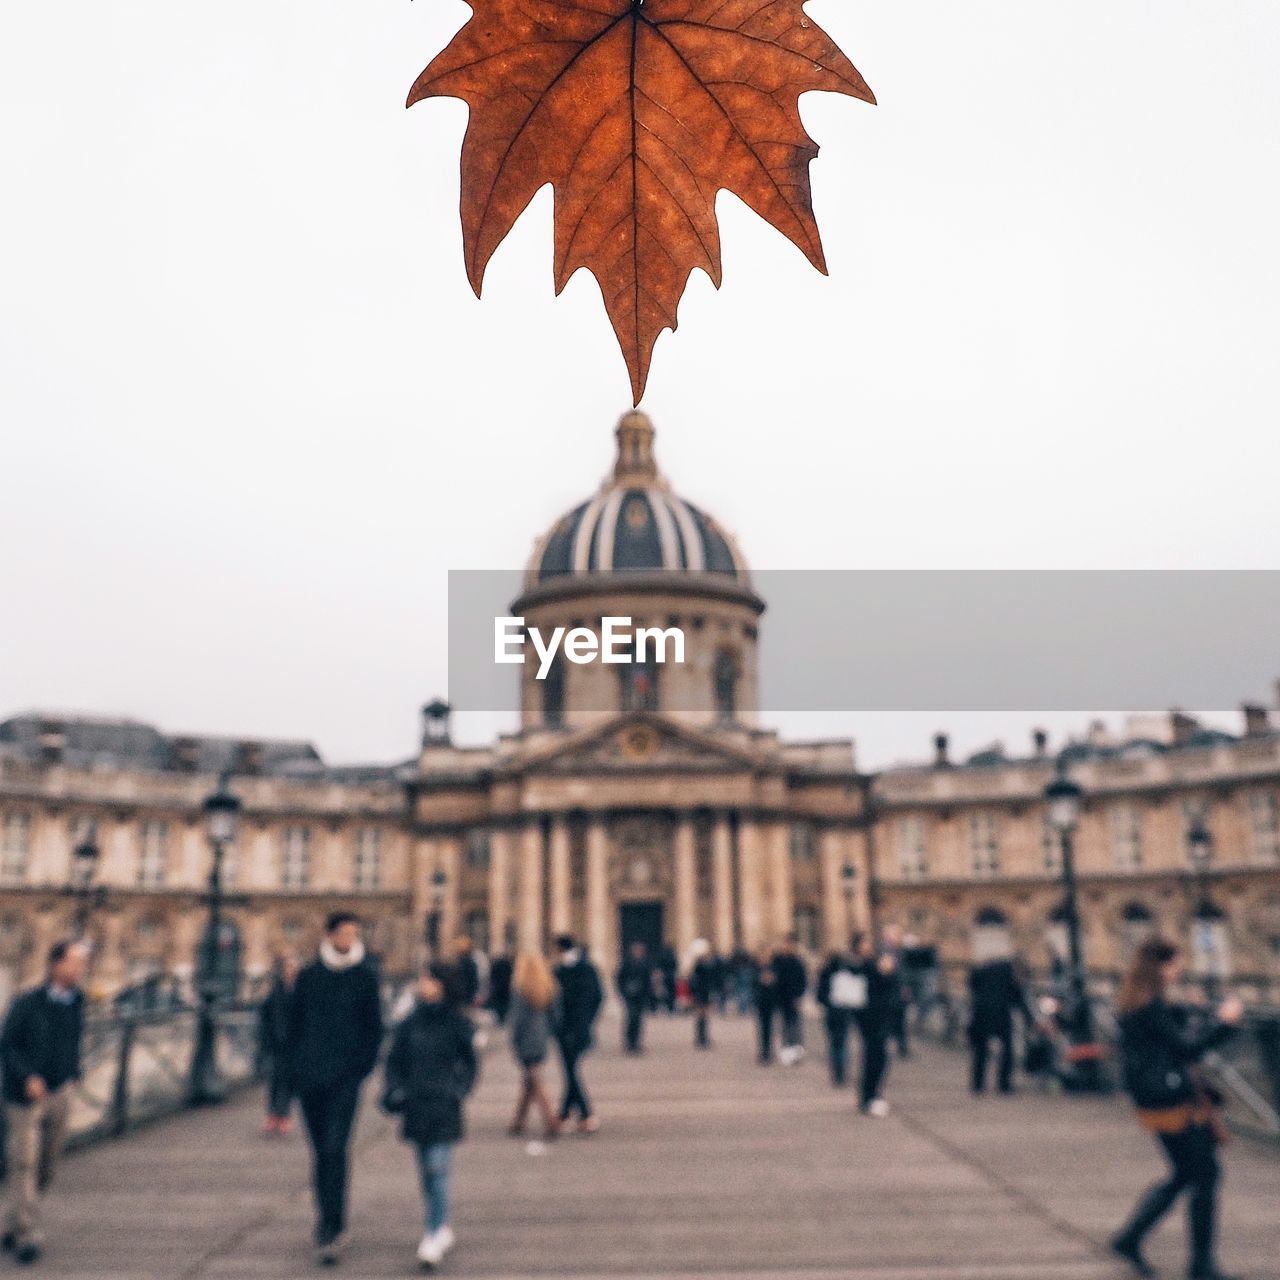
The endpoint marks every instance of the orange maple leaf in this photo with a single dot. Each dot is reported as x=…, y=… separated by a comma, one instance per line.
x=637, y=112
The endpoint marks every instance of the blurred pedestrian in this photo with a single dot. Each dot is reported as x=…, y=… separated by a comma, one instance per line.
x=1160, y=1051
x=40, y=1053
x=898, y=995
x=273, y=1047
x=764, y=998
x=634, y=981
x=500, y=975
x=702, y=988
x=668, y=968
x=742, y=971
x=534, y=1012
x=470, y=966
x=335, y=1033
x=430, y=1070
x=581, y=996
x=995, y=994
x=791, y=982
x=879, y=973
x=841, y=992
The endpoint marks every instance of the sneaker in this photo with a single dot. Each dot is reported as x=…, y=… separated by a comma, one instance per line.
x=329, y=1249
x=27, y=1253
x=1132, y=1254
x=430, y=1254
x=878, y=1107
x=9, y=1242
x=445, y=1239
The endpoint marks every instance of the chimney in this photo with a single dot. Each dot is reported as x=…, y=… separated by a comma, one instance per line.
x=52, y=742
x=1039, y=743
x=186, y=755
x=435, y=723
x=249, y=758
x=1256, y=720
x=1182, y=726
x=941, y=760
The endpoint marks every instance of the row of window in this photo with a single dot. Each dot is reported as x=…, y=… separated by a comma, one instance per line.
x=154, y=845
x=1125, y=834
x=638, y=688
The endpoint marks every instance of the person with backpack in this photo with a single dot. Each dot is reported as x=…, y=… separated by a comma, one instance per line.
x=1160, y=1049
x=841, y=992
x=430, y=1070
x=873, y=1018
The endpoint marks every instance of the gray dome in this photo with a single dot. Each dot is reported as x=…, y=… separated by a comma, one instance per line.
x=635, y=523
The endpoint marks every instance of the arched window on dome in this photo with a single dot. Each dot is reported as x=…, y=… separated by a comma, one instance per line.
x=724, y=678
x=553, y=695
x=638, y=684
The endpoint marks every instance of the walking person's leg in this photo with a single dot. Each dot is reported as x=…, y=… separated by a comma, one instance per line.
x=1155, y=1202
x=978, y=1050
x=702, y=1037
x=543, y=1102
x=764, y=1017
x=22, y=1228
x=53, y=1135
x=575, y=1098
x=1005, y=1076
x=524, y=1099
x=435, y=1163
x=1202, y=1172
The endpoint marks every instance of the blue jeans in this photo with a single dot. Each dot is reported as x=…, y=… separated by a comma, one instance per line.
x=435, y=1163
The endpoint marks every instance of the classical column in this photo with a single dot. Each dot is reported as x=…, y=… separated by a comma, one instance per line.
x=561, y=905
x=837, y=922
x=531, y=885
x=599, y=928
x=750, y=888
x=722, y=880
x=686, y=884
x=500, y=852
x=449, y=855
x=782, y=895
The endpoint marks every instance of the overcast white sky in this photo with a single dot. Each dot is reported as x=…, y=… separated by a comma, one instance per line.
x=251, y=412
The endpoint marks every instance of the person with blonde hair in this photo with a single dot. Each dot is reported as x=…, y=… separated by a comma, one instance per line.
x=532, y=1019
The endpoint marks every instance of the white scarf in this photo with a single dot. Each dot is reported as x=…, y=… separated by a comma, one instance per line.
x=332, y=958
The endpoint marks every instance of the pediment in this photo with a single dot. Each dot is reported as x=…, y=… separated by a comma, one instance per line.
x=642, y=743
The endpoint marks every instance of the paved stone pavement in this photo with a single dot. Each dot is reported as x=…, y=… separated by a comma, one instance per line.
x=706, y=1165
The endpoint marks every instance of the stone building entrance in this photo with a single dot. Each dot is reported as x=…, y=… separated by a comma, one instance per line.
x=641, y=922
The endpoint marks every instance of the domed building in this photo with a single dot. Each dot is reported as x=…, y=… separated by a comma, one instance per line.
x=641, y=800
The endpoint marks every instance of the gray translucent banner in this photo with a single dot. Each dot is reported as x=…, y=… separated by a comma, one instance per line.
x=933, y=640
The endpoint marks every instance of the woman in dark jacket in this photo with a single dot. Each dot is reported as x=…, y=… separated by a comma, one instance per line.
x=1160, y=1054
x=430, y=1070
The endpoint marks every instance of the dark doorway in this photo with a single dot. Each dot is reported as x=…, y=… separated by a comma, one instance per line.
x=641, y=922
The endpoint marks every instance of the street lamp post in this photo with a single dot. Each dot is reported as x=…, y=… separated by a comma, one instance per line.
x=849, y=884
x=1063, y=798
x=1200, y=852
x=84, y=869
x=221, y=816
x=438, y=882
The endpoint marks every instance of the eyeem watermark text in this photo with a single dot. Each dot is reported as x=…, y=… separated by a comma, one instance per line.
x=617, y=643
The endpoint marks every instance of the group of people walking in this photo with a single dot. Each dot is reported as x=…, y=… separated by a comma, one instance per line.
x=324, y=1030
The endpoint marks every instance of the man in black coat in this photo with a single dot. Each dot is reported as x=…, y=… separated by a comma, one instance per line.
x=635, y=985
x=40, y=1052
x=335, y=1033
x=791, y=981
x=580, y=999
x=873, y=1019
x=994, y=993
x=273, y=1047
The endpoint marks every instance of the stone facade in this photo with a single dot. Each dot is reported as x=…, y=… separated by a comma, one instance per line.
x=646, y=804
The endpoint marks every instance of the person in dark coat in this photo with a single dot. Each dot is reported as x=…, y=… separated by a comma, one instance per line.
x=430, y=1070
x=500, y=971
x=703, y=976
x=841, y=992
x=466, y=966
x=581, y=996
x=40, y=1054
x=790, y=983
x=873, y=1019
x=634, y=981
x=995, y=994
x=668, y=968
x=273, y=1047
x=764, y=999
x=1160, y=1050
x=335, y=1034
